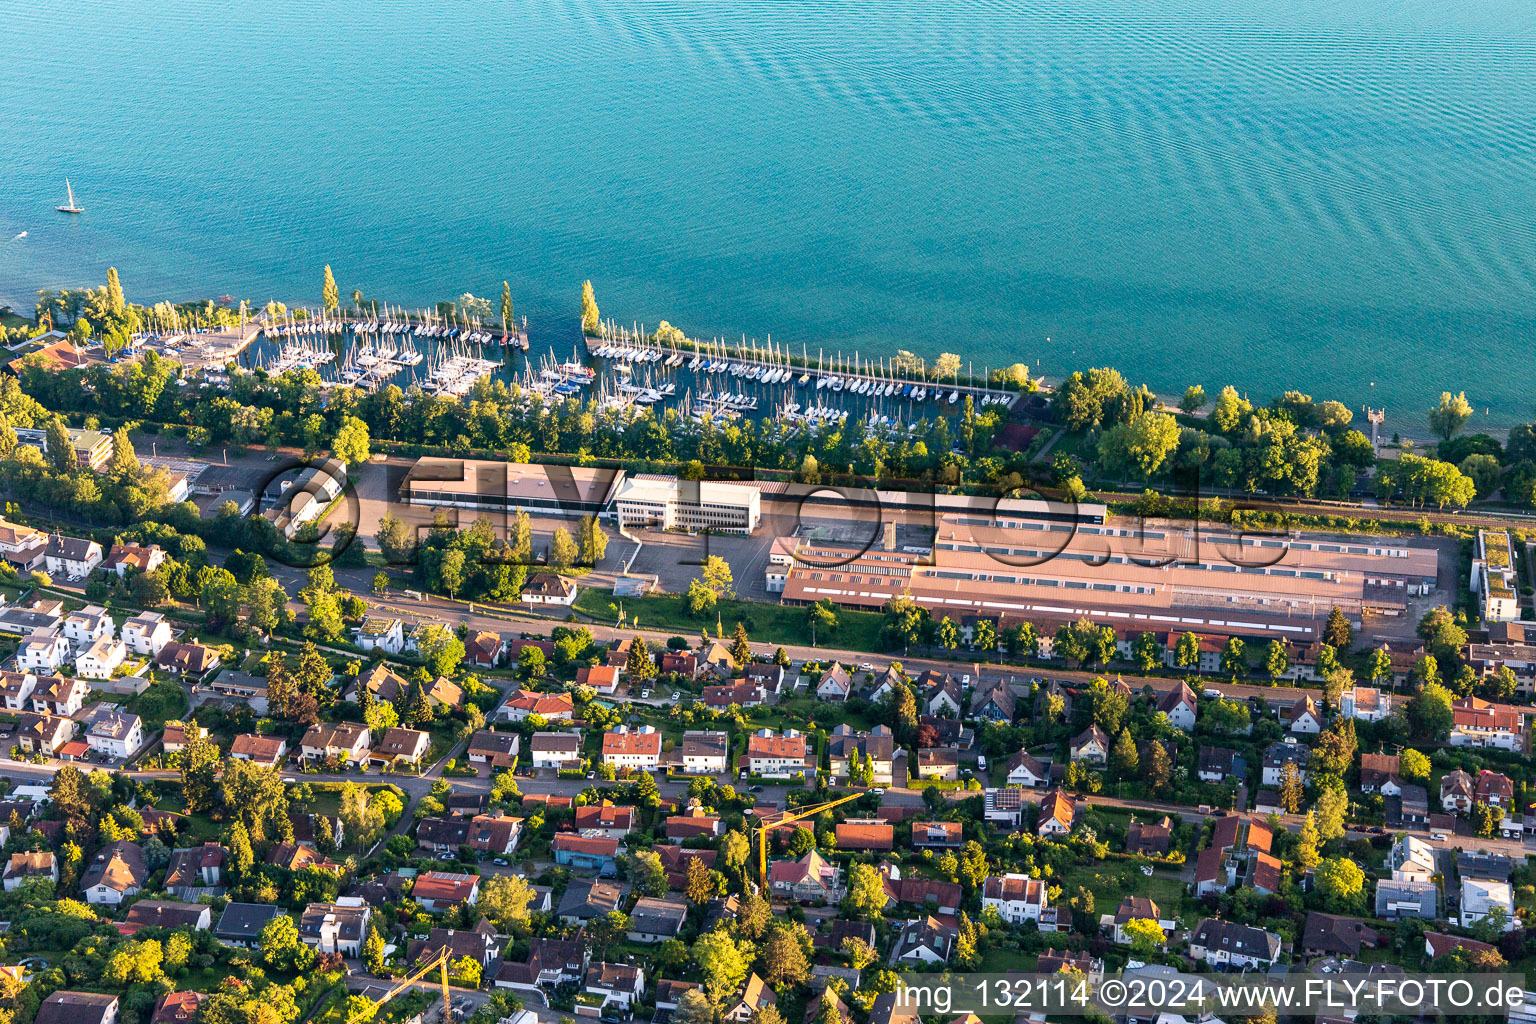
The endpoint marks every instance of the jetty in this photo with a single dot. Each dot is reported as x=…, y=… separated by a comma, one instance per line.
x=832, y=375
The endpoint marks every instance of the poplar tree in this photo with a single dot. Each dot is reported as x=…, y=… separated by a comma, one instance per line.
x=115, y=304
x=330, y=297
x=506, y=307
x=591, y=319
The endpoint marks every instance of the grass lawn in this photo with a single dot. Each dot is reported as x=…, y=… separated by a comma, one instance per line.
x=164, y=701
x=1112, y=881
x=766, y=623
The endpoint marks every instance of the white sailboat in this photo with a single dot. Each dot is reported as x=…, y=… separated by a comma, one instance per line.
x=69, y=206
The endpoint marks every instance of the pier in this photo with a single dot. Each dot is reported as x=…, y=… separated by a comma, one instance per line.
x=776, y=367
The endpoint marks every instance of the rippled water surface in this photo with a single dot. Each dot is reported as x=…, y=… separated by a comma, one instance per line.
x=1319, y=195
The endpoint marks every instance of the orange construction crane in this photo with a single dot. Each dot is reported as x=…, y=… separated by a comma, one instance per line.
x=438, y=961
x=787, y=819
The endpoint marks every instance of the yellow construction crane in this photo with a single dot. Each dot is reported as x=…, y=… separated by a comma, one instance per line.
x=768, y=826
x=438, y=961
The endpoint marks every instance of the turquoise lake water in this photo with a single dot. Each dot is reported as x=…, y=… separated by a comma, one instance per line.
x=1311, y=194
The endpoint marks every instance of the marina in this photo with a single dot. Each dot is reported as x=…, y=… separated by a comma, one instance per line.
x=623, y=372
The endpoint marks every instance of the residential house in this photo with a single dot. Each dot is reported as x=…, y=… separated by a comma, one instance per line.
x=753, y=995
x=1278, y=755
x=547, y=588
x=115, y=872
x=940, y=694
x=657, y=919
x=168, y=914
x=865, y=836
x=551, y=707
x=1132, y=908
x=1412, y=806
x=21, y=546
x=1377, y=770
x=71, y=556
x=339, y=927
x=43, y=734
x=638, y=748
x=586, y=899
x=484, y=649
x=835, y=684
x=44, y=651
x=617, y=985
x=675, y=861
x=1456, y=789
x=77, y=1008
x=241, y=923
x=25, y=866
x=1365, y=703
x=1302, y=717
x=479, y=944
x=267, y=750
x=681, y=663
x=16, y=689
x=994, y=704
x=336, y=741
x=147, y=633
x=402, y=747
x=1217, y=764
x=877, y=747
x=1180, y=705
x=551, y=963
x=177, y=1008
x=810, y=879
x=1148, y=839
x=1411, y=859
x=1335, y=935
x=56, y=696
x=1481, y=723
x=1214, y=872
x=176, y=735
x=113, y=733
x=605, y=819
x=195, y=871
x=554, y=749
x=133, y=557
x=1227, y=945
x=696, y=823
x=1396, y=900
x=1091, y=746
x=1487, y=898
x=926, y=940
x=497, y=749
x=442, y=835
x=927, y=894
x=444, y=890
x=381, y=633
x=705, y=752
x=192, y=661
x=777, y=756
x=1016, y=898
x=1438, y=944
x=941, y=763
x=85, y=626
x=583, y=853
x=1024, y=769
x=1494, y=789
x=743, y=693
x=938, y=835
x=1057, y=813
x=494, y=834
x=1004, y=807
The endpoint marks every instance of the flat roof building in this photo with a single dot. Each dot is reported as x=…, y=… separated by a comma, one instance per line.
x=507, y=487
x=1157, y=577
x=668, y=503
